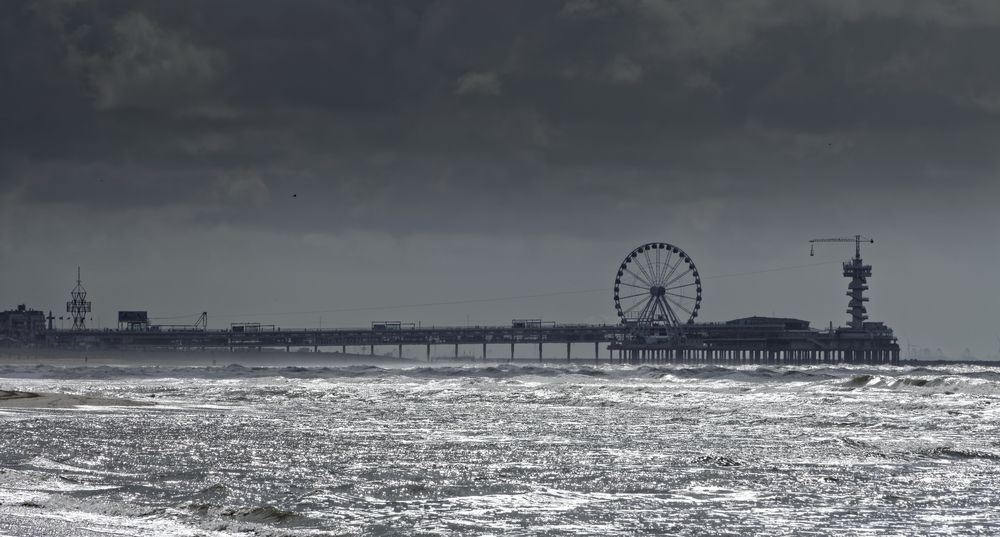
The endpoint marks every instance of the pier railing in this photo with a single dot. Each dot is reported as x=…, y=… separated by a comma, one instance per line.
x=709, y=342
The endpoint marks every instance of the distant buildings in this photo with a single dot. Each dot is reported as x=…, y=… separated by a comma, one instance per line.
x=21, y=325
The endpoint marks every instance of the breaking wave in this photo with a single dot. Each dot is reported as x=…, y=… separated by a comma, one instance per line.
x=849, y=377
x=948, y=383
x=947, y=452
x=506, y=448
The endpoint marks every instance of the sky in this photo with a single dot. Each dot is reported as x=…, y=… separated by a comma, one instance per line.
x=330, y=163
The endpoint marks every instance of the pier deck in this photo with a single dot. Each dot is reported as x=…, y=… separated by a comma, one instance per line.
x=752, y=340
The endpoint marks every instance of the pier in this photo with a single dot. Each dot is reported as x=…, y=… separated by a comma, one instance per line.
x=762, y=340
x=657, y=297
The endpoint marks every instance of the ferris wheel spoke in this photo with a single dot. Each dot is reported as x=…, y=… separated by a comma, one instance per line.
x=677, y=320
x=685, y=310
x=658, y=268
x=670, y=313
x=632, y=311
x=637, y=316
x=652, y=311
x=649, y=265
x=632, y=307
x=681, y=286
x=679, y=276
x=662, y=267
x=636, y=286
x=680, y=296
x=663, y=313
x=648, y=311
x=642, y=269
x=633, y=296
x=666, y=265
x=637, y=277
x=673, y=269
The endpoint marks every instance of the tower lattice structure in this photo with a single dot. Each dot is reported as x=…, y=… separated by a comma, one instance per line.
x=79, y=306
x=858, y=272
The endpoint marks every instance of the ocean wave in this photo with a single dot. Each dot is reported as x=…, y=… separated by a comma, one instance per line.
x=964, y=378
x=949, y=452
x=945, y=384
x=264, y=514
x=105, y=372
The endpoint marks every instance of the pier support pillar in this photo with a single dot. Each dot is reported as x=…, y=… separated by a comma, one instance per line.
x=400, y=350
x=539, y=351
x=568, y=351
x=511, y=351
x=428, y=352
x=456, y=351
x=484, y=351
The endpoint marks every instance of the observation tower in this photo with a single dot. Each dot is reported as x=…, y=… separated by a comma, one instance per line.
x=79, y=306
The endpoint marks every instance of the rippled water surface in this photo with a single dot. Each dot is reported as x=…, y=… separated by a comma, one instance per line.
x=504, y=449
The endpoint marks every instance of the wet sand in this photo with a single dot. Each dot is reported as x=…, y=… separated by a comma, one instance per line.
x=16, y=399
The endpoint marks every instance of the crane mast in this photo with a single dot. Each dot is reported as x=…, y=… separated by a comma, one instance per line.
x=858, y=272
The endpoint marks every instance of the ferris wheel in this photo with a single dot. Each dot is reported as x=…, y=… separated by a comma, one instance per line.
x=657, y=286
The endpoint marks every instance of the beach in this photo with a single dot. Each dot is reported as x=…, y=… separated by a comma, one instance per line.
x=18, y=399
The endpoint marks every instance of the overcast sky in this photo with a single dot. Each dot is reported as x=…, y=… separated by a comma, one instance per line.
x=296, y=162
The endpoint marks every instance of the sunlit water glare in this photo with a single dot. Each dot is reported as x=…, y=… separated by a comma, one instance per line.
x=504, y=449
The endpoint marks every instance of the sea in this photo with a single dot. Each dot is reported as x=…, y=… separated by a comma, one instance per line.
x=503, y=449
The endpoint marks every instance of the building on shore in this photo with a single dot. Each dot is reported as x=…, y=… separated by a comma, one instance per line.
x=21, y=325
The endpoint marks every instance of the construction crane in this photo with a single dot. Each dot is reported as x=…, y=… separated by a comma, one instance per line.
x=857, y=240
x=859, y=273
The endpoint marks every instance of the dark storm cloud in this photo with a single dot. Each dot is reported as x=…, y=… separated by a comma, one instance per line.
x=384, y=114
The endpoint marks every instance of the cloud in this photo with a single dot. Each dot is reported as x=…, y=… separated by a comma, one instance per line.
x=243, y=189
x=707, y=29
x=954, y=13
x=395, y=113
x=702, y=82
x=149, y=65
x=622, y=70
x=987, y=103
x=478, y=83
x=579, y=7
